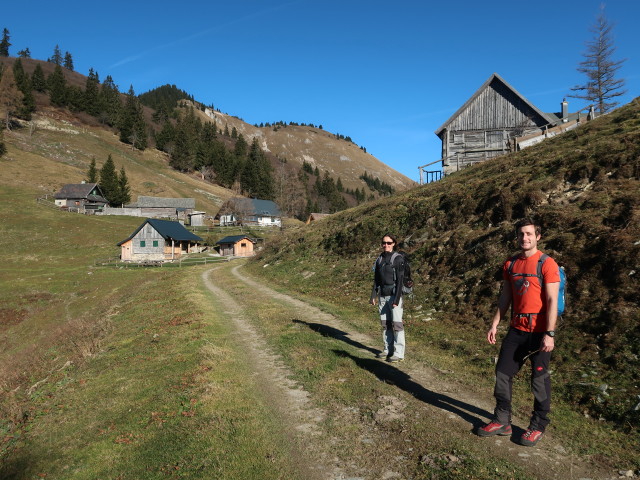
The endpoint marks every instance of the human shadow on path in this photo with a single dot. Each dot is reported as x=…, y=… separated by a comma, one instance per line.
x=392, y=375
x=328, y=331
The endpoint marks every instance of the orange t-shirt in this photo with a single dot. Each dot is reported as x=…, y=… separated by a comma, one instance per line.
x=527, y=295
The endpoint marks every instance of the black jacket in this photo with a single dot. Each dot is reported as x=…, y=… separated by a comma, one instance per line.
x=388, y=278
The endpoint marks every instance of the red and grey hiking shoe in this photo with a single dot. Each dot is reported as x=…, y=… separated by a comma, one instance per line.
x=494, y=428
x=530, y=437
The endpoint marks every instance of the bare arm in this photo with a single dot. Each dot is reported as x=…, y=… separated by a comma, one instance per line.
x=504, y=302
x=551, y=294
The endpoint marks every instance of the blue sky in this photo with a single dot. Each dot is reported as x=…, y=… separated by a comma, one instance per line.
x=387, y=74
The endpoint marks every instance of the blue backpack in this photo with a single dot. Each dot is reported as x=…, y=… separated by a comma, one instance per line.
x=563, y=279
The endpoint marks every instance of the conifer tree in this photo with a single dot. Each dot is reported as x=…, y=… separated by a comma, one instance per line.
x=10, y=95
x=124, y=192
x=57, y=56
x=91, y=93
x=600, y=68
x=25, y=53
x=4, y=43
x=68, y=61
x=257, y=174
x=38, y=81
x=92, y=173
x=57, y=85
x=133, y=128
x=241, y=147
x=109, y=180
x=109, y=100
x=24, y=85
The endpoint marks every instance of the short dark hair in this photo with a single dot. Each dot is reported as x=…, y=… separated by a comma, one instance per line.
x=392, y=237
x=528, y=221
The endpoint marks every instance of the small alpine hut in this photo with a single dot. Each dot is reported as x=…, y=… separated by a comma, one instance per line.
x=159, y=241
x=237, y=246
x=82, y=197
x=485, y=125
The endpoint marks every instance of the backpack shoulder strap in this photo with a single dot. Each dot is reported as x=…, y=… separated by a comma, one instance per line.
x=512, y=260
x=541, y=260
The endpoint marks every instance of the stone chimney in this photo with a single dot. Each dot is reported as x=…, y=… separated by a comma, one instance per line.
x=565, y=110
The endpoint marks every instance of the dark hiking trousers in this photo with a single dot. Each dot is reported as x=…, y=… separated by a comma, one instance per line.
x=515, y=347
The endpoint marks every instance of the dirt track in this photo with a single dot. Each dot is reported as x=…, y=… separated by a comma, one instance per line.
x=442, y=399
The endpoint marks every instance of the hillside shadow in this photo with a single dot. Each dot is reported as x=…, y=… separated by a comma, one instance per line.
x=327, y=331
x=390, y=374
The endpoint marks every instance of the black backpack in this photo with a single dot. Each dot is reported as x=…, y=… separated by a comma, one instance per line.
x=407, y=282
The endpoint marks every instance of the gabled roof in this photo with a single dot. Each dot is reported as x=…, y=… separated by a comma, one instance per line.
x=265, y=207
x=80, y=191
x=168, y=230
x=164, y=202
x=498, y=78
x=235, y=239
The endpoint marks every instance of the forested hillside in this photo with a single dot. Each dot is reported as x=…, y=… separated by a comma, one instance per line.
x=211, y=146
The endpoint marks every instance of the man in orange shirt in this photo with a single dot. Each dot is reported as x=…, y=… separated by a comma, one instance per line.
x=531, y=333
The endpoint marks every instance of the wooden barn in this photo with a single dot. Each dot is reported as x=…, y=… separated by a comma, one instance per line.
x=159, y=241
x=487, y=124
x=237, y=246
x=81, y=197
x=250, y=211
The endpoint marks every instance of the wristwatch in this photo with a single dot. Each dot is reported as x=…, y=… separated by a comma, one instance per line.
x=551, y=333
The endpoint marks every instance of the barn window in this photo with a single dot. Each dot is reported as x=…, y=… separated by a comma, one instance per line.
x=155, y=243
x=143, y=243
x=243, y=245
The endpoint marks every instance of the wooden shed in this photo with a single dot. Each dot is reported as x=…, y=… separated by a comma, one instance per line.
x=484, y=126
x=159, y=241
x=237, y=246
x=81, y=197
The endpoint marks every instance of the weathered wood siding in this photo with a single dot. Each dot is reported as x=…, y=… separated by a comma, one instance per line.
x=484, y=128
x=148, y=244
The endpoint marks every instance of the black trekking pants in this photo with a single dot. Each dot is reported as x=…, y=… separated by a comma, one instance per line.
x=515, y=347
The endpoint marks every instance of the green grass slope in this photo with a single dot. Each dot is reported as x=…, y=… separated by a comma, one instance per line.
x=584, y=187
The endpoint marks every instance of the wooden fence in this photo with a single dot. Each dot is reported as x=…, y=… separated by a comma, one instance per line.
x=183, y=262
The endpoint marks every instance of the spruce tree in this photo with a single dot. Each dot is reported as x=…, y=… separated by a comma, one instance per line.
x=57, y=56
x=10, y=95
x=124, y=192
x=5, y=44
x=3, y=148
x=110, y=104
x=24, y=85
x=92, y=173
x=109, y=180
x=600, y=68
x=68, y=61
x=57, y=85
x=133, y=128
x=91, y=94
x=38, y=81
x=25, y=53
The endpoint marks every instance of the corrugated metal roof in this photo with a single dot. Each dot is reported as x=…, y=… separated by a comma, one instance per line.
x=163, y=202
x=168, y=230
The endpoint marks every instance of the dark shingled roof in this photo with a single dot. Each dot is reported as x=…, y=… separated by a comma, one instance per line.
x=234, y=239
x=168, y=230
x=81, y=190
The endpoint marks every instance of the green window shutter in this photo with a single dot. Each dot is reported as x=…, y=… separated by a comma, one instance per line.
x=155, y=243
x=143, y=243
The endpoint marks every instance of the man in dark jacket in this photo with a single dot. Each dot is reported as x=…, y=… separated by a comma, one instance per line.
x=387, y=294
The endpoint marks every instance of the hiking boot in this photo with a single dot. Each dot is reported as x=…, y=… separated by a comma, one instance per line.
x=395, y=359
x=382, y=355
x=530, y=437
x=494, y=428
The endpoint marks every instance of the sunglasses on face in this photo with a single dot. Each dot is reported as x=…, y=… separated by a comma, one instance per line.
x=387, y=243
